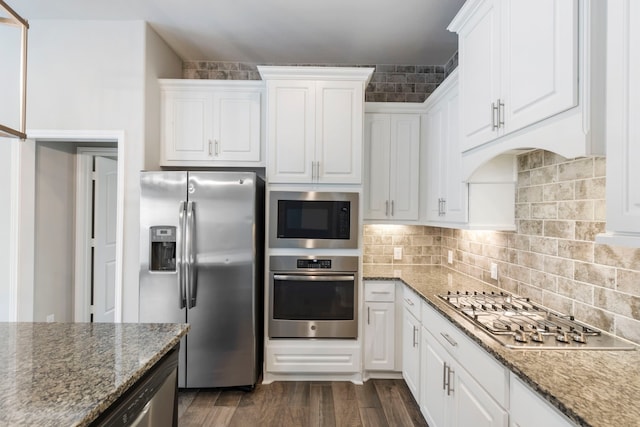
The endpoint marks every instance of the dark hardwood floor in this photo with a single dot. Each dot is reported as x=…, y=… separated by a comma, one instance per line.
x=376, y=403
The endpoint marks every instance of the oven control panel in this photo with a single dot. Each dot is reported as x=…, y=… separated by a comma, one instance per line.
x=314, y=263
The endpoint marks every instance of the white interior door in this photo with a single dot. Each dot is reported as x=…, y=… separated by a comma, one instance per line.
x=104, y=260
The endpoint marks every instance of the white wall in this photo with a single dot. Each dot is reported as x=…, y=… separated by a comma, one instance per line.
x=93, y=75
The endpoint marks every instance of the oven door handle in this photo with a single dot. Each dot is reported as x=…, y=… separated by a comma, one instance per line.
x=315, y=277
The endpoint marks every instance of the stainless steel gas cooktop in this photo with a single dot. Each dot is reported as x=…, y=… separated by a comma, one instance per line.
x=516, y=322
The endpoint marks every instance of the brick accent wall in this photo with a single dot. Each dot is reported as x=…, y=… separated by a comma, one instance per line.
x=389, y=83
x=552, y=257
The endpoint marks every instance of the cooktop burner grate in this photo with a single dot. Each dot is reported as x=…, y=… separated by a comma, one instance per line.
x=516, y=322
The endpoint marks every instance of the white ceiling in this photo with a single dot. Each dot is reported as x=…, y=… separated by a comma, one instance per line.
x=411, y=32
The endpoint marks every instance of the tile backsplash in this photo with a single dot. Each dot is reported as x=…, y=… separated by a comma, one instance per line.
x=552, y=257
x=389, y=83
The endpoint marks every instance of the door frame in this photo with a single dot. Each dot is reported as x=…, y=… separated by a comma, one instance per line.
x=84, y=214
x=23, y=217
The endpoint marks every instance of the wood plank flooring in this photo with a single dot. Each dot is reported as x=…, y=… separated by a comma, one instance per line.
x=376, y=403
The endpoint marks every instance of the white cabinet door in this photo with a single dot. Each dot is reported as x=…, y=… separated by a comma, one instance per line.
x=472, y=406
x=446, y=193
x=527, y=409
x=623, y=126
x=434, y=404
x=392, y=168
x=236, y=126
x=186, y=126
x=338, y=148
x=291, y=130
x=404, y=172
x=379, y=328
x=480, y=74
x=377, y=166
x=411, y=353
x=539, y=60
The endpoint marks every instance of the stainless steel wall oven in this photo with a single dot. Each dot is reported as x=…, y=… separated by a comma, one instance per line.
x=313, y=297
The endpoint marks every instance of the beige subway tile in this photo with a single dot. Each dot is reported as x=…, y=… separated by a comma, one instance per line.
x=536, y=159
x=413, y=250
x=576, y=210
x=577, y=291
x=524, y=179
x=577, y=250
x=523, y=211
x=544, y=175
x=508, y=284
x=523, y=162
x=618, y=303
x=544, y=245
x=551, y=158
x=519, y=241
x=432, y=250
x=529, y=291
x=616, y=256
x=476, y=272
x=560, y=229
x=558, y=191
x=600, y=166
x=401, y=240
x=382, y=259
x=559, y=266
x=367, y=259
x=519, y=273
x=544, y=210
x=436, y=231
x=600, y=210
x=475, y=248
x=628, y=328
x=587, y=230
x=628, y=281
x=512, y=256
x=546, y=281
x=531, y=259
x=595, y=274
x=530, y=227
x=589, y=189
x=530, y=194
x=486, y=277
x=576, y=169
x=594, y=316
x=421, y=240
x=494, y=252
x=557, y=302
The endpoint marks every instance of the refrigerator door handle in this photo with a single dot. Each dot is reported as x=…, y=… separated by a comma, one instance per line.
x=180, y=255
x=189, y=257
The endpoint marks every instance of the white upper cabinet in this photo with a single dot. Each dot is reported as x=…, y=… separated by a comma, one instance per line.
x=392, y=161
x=211, y=123
x=446, y=193
x=314, y=124
x=531, y=76
x=623, y=126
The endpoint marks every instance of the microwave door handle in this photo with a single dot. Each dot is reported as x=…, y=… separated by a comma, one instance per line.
x=189, y=255
x=315, y=277
x=180, y=259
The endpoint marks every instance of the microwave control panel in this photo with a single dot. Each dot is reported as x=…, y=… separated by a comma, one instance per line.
x=314, y=263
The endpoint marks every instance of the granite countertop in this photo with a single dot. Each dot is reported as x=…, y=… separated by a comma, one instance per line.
x=592, y=387
x=66, y=374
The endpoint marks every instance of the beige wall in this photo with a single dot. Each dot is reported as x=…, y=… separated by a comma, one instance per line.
x=560, y=207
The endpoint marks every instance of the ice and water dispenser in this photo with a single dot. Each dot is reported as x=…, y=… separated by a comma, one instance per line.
x=163, y=248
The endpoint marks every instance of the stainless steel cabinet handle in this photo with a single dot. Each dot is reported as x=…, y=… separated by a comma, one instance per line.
x=449, y=339
x=444, y=376
x=392, y=210
x=415, y=343
x=210, y=148
x=500, y=113
x=494, y=116
x=408, y=301
x=450, y=373
x=386, y=208
x=180, y=267
x=368, y=315
x=217, y=148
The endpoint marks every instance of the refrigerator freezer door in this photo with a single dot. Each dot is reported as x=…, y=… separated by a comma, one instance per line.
x=162, y=195
x=222, y=342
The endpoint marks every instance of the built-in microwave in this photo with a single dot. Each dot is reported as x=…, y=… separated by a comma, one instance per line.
x=313, y=219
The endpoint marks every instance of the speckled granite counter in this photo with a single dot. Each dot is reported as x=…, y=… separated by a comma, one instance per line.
x=66, y=374
x=594, y=388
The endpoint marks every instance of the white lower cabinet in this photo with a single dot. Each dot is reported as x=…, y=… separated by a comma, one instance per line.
x=379, y=326
x=411, y=342
x=527, y=409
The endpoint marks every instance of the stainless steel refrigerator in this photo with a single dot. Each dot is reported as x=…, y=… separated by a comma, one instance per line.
x=202, y=262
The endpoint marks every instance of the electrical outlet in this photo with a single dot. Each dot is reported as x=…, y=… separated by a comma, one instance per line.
x=397, y=253
x=494, y=271
x=50, y=318
x=450, y=256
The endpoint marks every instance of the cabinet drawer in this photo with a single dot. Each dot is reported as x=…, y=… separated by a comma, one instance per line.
x=411, y=301
x=380, y=291
x=482, y=367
